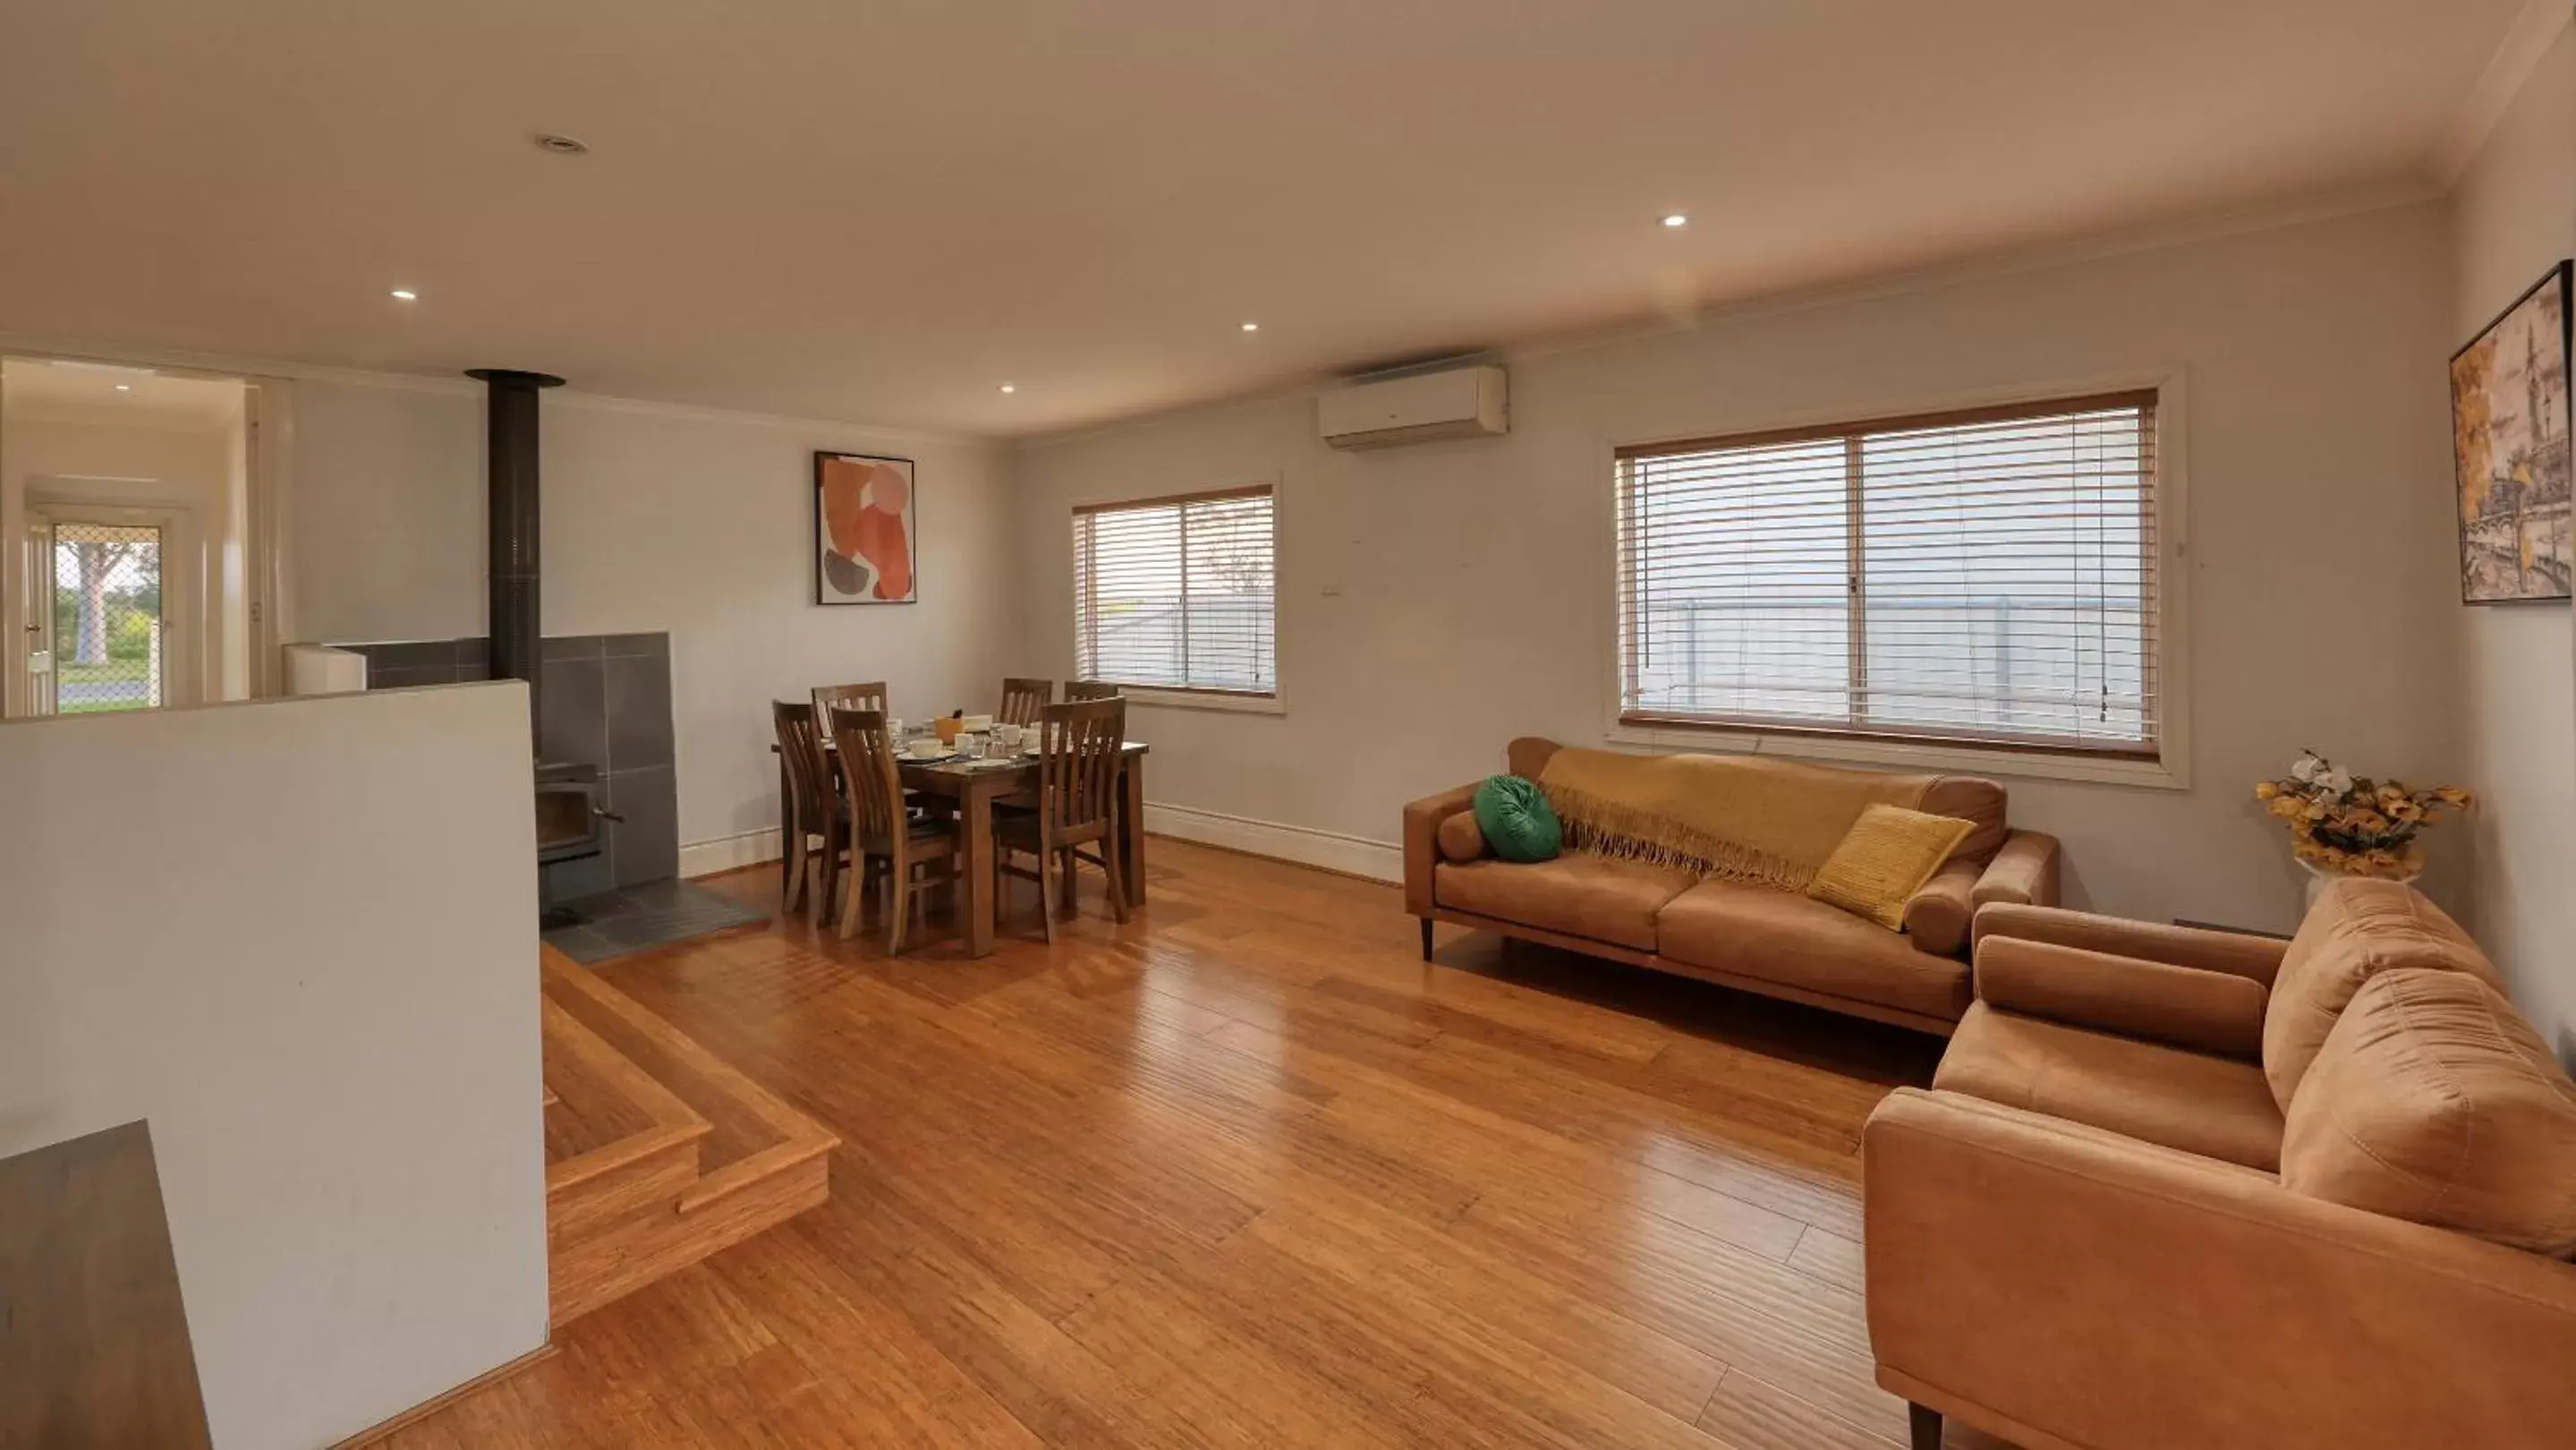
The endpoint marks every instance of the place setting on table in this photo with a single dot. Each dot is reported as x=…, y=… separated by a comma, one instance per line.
x=1056, y=782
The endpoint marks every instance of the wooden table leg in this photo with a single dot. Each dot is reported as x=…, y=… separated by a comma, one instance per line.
x=975, y=803
x=1131, y=832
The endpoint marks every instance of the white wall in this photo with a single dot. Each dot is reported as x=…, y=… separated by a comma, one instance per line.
x=2513, y=217
x=383, y=512
x=216, y=919
x=1438, y=600
x=655, y=518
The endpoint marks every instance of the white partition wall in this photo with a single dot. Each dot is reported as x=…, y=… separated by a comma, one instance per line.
x=299, y=936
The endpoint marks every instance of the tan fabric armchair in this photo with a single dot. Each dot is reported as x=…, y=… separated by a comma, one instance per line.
x=2103, y=1230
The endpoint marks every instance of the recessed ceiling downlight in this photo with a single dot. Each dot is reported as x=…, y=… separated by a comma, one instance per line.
x=1676, y=220
x=561, y=145
x=405, y=294
x=1251, y=326
x=1010, y=387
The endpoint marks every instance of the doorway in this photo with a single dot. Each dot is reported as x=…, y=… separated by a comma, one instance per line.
x=136, y=538
x=105, y=642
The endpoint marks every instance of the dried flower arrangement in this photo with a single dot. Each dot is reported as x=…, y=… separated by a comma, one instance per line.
x=2343, y=824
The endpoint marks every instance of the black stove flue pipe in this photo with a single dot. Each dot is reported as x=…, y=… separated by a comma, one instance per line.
x=510, y=426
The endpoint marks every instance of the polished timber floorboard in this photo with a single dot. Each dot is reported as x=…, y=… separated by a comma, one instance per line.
x=1246, y=1172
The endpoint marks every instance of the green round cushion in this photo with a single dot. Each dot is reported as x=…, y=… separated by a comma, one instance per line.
x=1514, y=815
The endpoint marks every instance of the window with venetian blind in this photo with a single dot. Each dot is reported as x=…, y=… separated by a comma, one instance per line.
x=1179, y=593
x=1985, y=577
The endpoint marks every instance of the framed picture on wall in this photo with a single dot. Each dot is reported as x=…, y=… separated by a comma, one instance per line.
x=865, y=545
x=2509, y=445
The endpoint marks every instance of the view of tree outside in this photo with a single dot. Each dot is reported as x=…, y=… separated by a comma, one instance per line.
x=107, y=615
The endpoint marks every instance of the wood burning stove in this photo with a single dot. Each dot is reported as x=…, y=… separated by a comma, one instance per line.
x=568, y=813
x=569, y=818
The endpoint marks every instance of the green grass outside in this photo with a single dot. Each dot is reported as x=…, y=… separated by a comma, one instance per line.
x=114, y=672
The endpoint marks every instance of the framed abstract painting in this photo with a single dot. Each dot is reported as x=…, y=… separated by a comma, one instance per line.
x=865, y=545
x=2509, y=446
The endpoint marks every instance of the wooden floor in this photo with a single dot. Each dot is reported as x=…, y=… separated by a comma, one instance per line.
x=1245, y=1172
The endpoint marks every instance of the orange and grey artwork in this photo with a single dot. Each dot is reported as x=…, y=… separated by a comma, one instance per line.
x=863, y=534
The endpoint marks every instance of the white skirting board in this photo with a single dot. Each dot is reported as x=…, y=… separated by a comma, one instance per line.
x=1331, y=850
x=1350, y=855
x=729, y=853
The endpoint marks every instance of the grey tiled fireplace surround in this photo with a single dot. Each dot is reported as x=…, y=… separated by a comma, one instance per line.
x=603, y=700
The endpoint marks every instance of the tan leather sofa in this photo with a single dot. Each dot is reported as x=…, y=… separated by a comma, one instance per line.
x=2182, y=1188
x=1756, y=938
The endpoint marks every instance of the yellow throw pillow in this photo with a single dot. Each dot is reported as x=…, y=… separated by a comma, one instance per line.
x=1884, y=859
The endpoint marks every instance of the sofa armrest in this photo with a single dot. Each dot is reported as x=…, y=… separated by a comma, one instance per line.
x=2257, y=957
x=2029, y=1274
x=1422, y=820
x=2023, y=872
x=1939, y=917
x=2189, y=1007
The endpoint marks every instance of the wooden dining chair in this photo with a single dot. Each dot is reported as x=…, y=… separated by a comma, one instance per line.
x=827, y=698
x=872, y=696
x=910, y=853
x=1023, y=699
x=1080, y=743
x=811, y=809
x=1092, y=690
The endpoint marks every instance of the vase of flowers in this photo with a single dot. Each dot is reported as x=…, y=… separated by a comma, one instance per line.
x=2343, y=824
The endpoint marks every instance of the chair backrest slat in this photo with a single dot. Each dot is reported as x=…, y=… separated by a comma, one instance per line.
x=1023, y=699
x=1079, y=744
x=827, y=698
x=868, y=769
x=809, y=774
x=1092, y=690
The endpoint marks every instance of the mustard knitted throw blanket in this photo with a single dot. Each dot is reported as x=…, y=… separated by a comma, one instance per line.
x=1742, y=817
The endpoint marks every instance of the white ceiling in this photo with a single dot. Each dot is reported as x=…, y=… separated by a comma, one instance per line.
x=882, y=211
x=76, y=393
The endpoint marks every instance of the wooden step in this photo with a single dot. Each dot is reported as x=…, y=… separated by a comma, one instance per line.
x=616, y=1139
x=659, y=1153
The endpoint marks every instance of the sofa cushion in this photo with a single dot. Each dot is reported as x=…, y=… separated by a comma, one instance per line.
x=2189, y=1101
x=1939, y=917
x=1528, y=755
x=1517, y=820
x=2356, y=930
x=1884, y=859
x=1461, y=839
x=2433, y=1100
x=1780, y=936
x=1597, y=897
x=1972, y=799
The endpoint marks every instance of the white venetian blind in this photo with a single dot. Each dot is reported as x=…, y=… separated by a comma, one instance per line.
x=1986, y=577
x=1178, y=593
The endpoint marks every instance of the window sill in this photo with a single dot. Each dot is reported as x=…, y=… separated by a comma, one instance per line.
x=2148, y=773
x=1213, y=700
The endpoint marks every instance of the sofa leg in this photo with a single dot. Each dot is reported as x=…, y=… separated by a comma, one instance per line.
x=1426, y=938
x=1926, y=1425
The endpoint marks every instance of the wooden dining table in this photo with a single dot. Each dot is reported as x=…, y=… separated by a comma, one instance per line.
x=975, y=786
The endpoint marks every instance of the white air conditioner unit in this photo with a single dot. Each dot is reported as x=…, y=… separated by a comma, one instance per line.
x=1458, y=403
